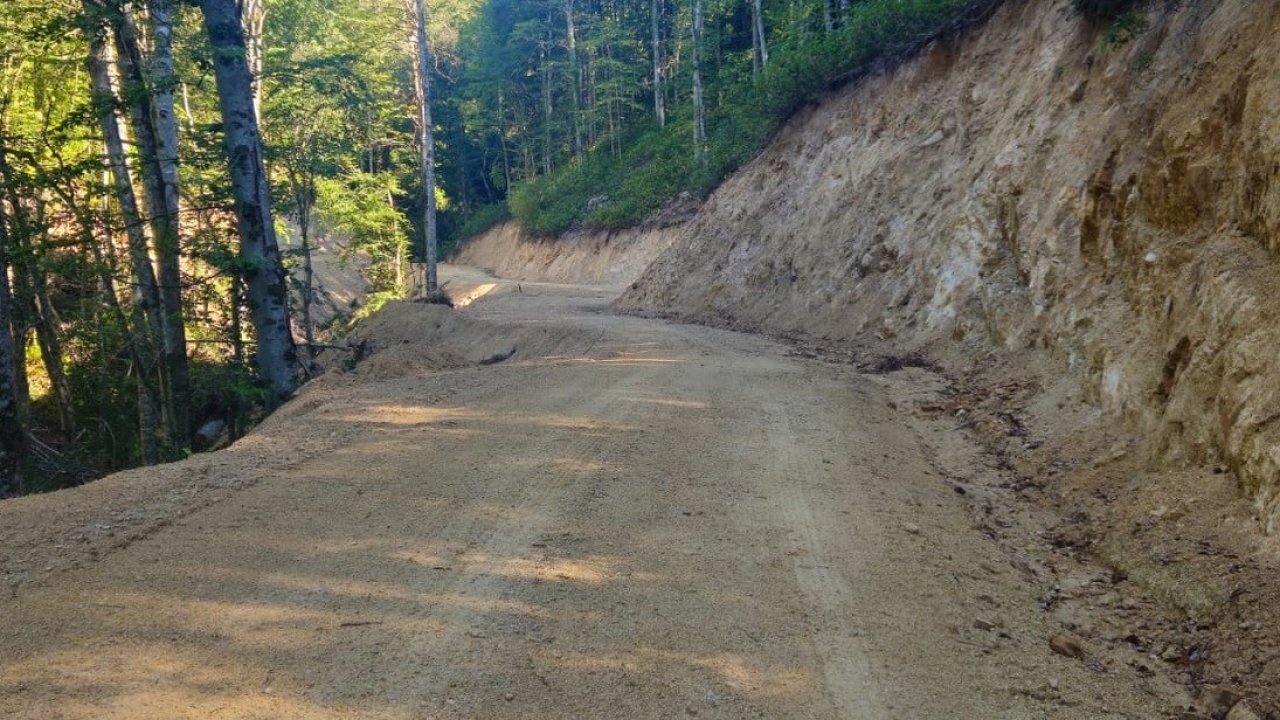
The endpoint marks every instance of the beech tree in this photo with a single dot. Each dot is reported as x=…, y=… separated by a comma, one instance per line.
x=147, y=326
x=426, y=143
x=263, y=274
x=11, y=435
x=699, y=101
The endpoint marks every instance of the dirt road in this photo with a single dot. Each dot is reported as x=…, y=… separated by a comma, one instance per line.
x=646, y=520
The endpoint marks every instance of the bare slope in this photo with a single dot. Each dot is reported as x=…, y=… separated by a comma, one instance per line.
x=1025, y=187
x=585, y=258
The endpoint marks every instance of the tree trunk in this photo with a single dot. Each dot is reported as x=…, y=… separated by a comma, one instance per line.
x=502, y=137
x=155, y=136
x=12, y=437
x=575, y=79
x=758, y=36
x=51, y=348
x=146, y=294
x=546, y=110
x=168, y=244
x=254, y=19
x=237, y=356
x=699, y=105
x=145, y=297
x=659, y=100
x=308, y=277
x=259, y=251
x=427, y=158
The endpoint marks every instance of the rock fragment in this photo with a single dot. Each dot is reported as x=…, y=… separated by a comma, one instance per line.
x=1242, y=711
x=1066, y=645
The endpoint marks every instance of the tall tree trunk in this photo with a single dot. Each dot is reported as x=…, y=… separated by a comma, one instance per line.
x=575, y=79
x=502, y=138
x=308, y=270
x=254, y=19
x=50, y=344
x=427, y=158
x=157, y=154
x=659, y=100
x=828, y=17
x=162, y=83
x=146, y=293
x=12, y=436
x=237, y=356
x=546, y=110
x=259, y=251
x=758, y=36
x=145, y=296
x=699, y=104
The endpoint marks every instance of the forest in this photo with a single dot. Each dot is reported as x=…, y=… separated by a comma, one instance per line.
x=157, y=155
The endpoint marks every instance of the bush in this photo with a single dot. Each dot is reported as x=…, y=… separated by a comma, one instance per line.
x=483, y=218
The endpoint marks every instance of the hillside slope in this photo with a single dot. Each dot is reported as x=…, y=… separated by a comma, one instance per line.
x=1027, y=187
x=587, y=258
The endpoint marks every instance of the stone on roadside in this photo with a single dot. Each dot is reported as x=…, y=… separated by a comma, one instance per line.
x=987, y=625
x=1219, y=701
x=1066, y=645
x=1242, y=711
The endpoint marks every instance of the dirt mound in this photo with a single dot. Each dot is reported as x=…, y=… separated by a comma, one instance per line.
x=409, y=338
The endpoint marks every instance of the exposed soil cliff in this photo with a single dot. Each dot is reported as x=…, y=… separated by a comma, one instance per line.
x=1026, y=186
x=615, y=258
x=1083, y=236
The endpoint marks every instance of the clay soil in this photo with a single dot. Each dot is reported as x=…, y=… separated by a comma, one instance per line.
x=628, y=519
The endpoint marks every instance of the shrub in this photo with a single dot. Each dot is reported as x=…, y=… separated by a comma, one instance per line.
x=483, y=218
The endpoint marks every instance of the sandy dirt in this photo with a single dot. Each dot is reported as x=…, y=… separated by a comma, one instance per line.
x=628, y=519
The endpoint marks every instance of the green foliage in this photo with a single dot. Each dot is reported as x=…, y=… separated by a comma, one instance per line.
x=484, y=217
x=362, y=206
x=372, y=304
x=609, y=189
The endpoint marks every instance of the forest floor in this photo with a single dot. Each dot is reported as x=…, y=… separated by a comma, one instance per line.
x=630, y=518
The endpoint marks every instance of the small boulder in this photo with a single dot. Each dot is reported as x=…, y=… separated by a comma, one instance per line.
x=1066, y=645
x=1242, y=711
